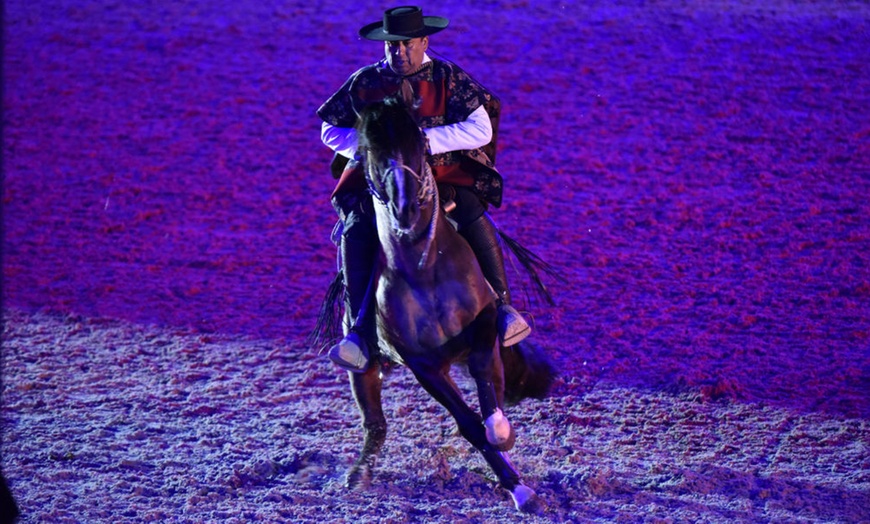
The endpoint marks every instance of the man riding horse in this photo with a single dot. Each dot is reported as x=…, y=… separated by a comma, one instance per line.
x=454, y=112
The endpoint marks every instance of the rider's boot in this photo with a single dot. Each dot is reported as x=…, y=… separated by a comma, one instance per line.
x=357, y=259
x=482, y=235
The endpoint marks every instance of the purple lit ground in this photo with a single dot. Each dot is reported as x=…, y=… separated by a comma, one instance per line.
x=699, y=170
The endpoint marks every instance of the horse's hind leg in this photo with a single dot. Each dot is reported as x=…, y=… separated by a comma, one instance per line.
x=367, y=392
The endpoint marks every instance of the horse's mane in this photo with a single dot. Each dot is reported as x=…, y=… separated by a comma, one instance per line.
x=386, y=128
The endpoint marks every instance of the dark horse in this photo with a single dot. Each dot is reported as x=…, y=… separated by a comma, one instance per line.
x=434, y=308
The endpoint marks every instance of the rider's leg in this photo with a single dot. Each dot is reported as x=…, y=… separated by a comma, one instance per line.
x=476, y=226
x=358, y=251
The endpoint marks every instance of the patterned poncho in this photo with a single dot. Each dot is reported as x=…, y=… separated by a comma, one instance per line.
x=444, y=94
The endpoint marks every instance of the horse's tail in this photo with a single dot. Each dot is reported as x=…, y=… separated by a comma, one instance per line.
x=532, y=263
x=528, y=372
x=328, y=326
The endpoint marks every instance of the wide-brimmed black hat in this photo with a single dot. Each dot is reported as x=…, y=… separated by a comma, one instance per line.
x=402, y=23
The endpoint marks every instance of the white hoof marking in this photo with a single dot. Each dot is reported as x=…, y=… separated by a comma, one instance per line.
x=521, y=495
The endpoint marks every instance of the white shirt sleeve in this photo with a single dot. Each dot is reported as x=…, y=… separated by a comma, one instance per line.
x=342, y=140
x=475, y=131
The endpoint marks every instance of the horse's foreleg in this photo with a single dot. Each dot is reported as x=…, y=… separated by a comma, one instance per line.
x=485, y=366
x=438, y=383
x=367, y=393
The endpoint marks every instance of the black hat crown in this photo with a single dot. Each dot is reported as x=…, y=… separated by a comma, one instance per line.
x=403, y=23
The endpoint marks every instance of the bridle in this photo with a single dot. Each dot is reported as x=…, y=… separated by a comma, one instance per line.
x=427, y=190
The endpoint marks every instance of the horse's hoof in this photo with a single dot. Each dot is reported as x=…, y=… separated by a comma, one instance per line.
x=499, y=431
x=527, y=501
x=359, y=477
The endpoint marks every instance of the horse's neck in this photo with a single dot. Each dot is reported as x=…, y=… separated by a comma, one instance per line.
x=405, y=253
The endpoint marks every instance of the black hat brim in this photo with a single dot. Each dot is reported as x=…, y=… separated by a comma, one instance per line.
x=375, y=31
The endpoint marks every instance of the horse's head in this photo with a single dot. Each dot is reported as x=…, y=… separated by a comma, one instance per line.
x=396, y=166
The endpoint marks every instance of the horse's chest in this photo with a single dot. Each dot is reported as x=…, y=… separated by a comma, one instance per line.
x=425, y=316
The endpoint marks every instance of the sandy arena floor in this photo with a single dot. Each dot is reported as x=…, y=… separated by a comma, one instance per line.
x=699, y=171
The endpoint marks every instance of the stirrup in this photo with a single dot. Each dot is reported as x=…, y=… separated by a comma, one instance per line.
x=512, y=327
x=350, y=353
